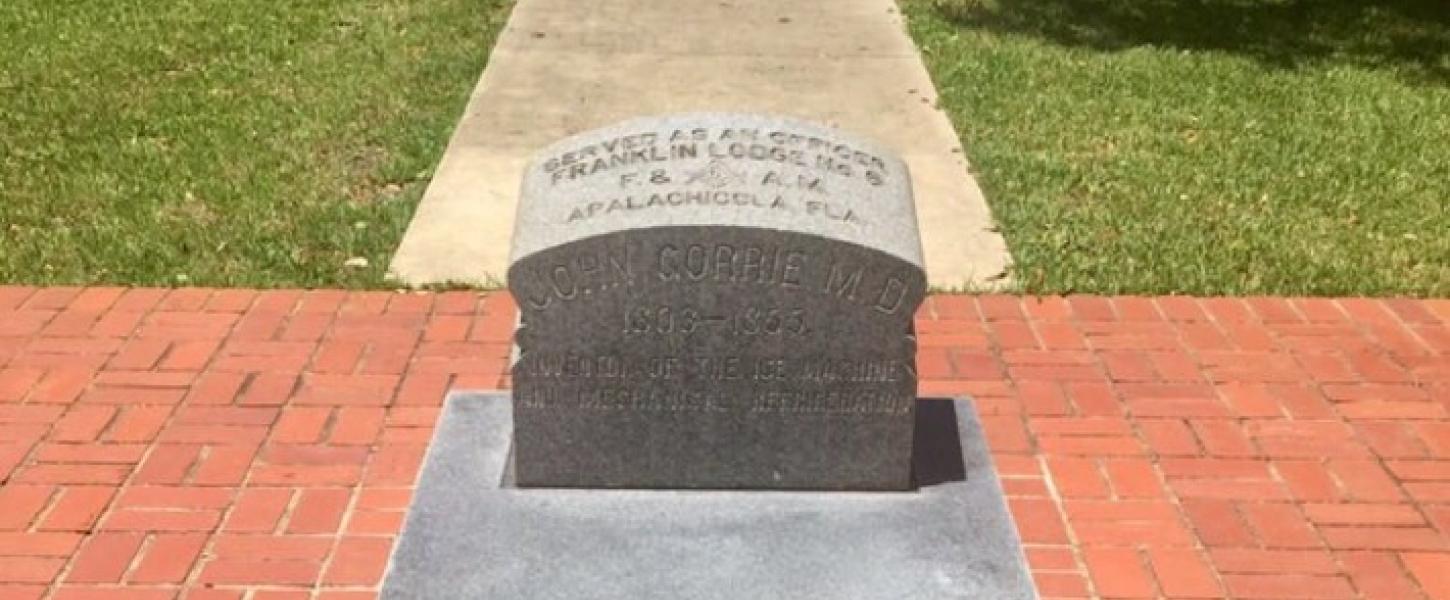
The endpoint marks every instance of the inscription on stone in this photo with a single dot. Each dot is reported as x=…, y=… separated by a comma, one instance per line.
x=715, y=301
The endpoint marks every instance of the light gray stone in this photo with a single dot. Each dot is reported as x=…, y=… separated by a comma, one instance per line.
x=469, y=534
x=718, y=169
x=716, y=301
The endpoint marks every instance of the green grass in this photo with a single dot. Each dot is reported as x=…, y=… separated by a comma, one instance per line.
x=224, y=142
x=1209, y=146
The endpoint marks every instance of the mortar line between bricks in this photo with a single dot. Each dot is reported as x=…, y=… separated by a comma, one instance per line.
x=208, y=549
x=326, y=333
x=284, y=520
x=203, y=452
x=208, y=552
x=144, y=312
x=1405, y=499
x=356, y=489
x=1265, y=457
x=243, y=388
x=1294, y=307
x=367, y=353
x=61, y=489
x=155, y=364
x=147, y=536
x=1334, y=554
x=45, y=510
x=1362, y=325
x=29, y=389
x=1375, y=458
x=1398, y=559
x=931, y=308
x=996, y=349
x=1145, y=562
x=148, y=540
x=1174, y=499
x=1155, y=459
x=109, y=509
x=1399, y=362
x=110, y=424
x=342, y=526
x=155, y=443
x=1139, y=551
x=1273, y=464
x=28, y=290
x=412, y=486
x=1222, y=329
x=1404, y=326
x=33, y=451
x=1073, y=543
x=31, y=454
x=1414, y=332
x=330, y=425
x=50, y=318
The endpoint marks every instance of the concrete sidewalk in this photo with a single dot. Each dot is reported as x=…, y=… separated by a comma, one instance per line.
x=561, y=67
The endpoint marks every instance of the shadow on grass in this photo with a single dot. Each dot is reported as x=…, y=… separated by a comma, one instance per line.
x=1411, y=37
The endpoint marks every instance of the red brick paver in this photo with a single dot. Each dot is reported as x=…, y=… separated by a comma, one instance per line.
x=253, y=445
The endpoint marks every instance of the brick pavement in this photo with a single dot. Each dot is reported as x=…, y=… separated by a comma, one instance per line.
x=228, y=444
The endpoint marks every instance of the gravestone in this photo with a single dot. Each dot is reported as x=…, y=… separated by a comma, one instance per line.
x=715, y=301
x=716, y=315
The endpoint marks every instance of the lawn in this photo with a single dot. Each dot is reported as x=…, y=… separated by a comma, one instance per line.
x=224, y=142
x=1208, y=146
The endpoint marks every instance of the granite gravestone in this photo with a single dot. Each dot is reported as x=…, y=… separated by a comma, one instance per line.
x=711, y=301
x=715, y=301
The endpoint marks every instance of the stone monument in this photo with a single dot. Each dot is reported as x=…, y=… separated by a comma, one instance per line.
x=714, y=388
x=715, y=302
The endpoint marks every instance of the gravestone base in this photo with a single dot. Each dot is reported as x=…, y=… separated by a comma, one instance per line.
x=471, y=534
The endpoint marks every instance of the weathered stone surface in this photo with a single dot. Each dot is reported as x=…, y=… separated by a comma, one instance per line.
x=716, y=301
x=470, y=534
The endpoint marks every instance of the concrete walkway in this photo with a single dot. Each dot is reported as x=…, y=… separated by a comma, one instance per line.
x=199, y=444
x=562, y=66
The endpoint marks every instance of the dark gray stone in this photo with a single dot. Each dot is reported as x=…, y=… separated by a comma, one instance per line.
x=716, y=301
x=470, y=535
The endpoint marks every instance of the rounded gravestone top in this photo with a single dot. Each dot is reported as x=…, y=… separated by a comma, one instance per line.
x=718, y=169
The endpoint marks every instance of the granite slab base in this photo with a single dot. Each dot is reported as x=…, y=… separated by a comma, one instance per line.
x=471, y=534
